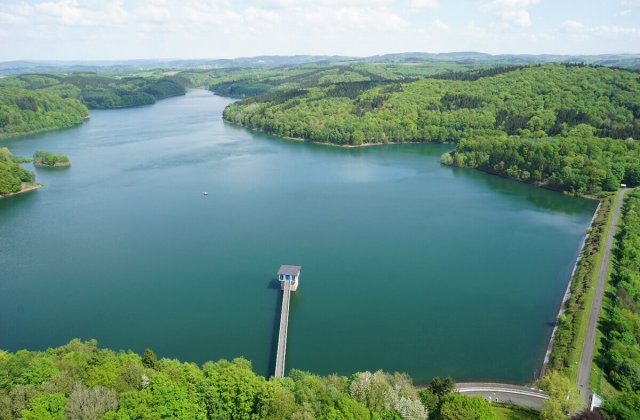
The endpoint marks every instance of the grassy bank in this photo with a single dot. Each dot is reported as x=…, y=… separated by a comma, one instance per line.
x=605, y=219
x=598, y=382
x=572, y=324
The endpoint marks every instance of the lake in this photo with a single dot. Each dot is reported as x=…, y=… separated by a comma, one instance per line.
x=407, y=265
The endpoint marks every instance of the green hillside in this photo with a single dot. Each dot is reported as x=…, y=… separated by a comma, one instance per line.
x=102, y=91
x=534, y=101
x=27, y=111
x=569, y=127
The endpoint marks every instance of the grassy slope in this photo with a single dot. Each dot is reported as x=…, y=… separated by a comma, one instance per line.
x=583, y=315
x=582, y=287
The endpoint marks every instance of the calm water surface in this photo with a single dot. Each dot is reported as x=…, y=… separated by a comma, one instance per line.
x=407, y=265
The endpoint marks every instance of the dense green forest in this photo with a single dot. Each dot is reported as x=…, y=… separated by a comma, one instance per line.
x=578, y=163
x=37, y=102
x=12, y=175
x=620, y=356
x=52, y=160
x=24, y=111
x=248, y=82
x=102, y=91
x=533, y=101
x=80, y=380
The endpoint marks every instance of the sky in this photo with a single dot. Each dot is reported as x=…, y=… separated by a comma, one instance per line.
x=143, y=29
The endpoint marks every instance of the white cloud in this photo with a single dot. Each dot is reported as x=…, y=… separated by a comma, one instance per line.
x=323, y=3
x=616, y=31
x=76, y=29
x=10, y=19
x=440, y=25
x=572, y=25
x=73, y=12
x=514, y=12
x=153, y=12
x=348, y=18
x=578, y=31
x=257, y=15
x=423, y=4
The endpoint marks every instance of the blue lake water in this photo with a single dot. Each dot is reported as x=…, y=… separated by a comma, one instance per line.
x=408, y=265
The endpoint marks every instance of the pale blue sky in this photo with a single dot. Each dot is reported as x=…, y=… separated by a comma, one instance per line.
x=123, y=29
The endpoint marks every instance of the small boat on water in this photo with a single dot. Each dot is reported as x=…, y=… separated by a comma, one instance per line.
x=205, y=193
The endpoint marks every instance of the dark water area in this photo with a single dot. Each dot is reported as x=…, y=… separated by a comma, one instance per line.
x=408, y=265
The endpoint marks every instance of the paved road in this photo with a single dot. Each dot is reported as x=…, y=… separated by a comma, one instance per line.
x=505, y=393
x=590, y=339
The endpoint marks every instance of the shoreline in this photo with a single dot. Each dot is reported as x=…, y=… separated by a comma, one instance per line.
x=42, y=130
x=349, y=146
x=535, y=184
x=54, y=166
x=5, y=136
x=329, y=144
x=567, y=292
x=26, y=187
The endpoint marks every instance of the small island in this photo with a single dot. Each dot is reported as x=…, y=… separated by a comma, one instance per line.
x=50, y=160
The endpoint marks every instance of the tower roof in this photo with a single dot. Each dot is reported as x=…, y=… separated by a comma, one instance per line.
x=292, y=270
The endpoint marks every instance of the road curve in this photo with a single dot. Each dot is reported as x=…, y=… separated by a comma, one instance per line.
x=590, y=339
x=505, y=393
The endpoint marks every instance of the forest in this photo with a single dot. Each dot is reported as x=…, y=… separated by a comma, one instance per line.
x=12, y=175
x=564, y=126
x=25, y=111
x=52, y=160
x=620, y=355
x=81, y=380
x=533, y=101
x=578, y=163
x=102, y=91
x=30, y=103
x=248, y=82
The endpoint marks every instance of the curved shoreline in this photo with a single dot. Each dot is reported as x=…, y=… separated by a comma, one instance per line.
x=324, y=143
x=26, y=187
x=8, y=136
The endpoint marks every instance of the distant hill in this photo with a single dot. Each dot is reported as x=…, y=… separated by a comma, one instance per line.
x=100, y=91
x=127, y=66
x=118, y=66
